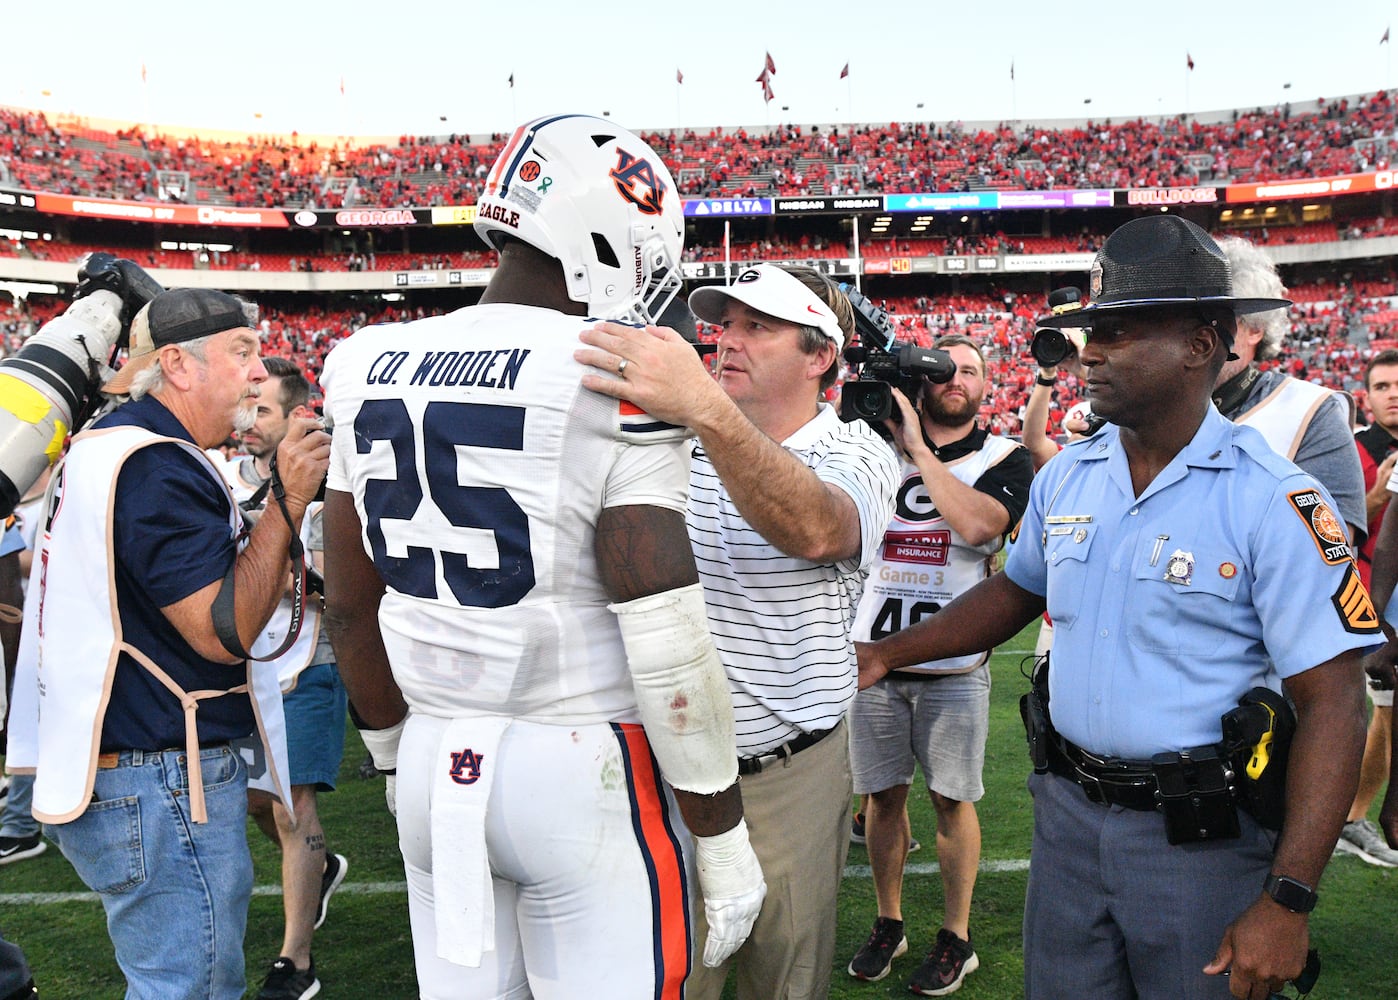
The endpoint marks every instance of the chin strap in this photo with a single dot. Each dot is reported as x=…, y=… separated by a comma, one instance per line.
x=1229, y=396
x=224, y=616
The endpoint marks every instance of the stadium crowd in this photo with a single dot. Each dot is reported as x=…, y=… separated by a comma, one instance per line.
x=1338, y=333
x=1321, y=138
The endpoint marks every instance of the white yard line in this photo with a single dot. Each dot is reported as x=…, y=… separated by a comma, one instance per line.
x=401, y=888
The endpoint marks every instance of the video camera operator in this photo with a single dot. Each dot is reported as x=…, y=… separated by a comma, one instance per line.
x=962, y=491
x=133, y=676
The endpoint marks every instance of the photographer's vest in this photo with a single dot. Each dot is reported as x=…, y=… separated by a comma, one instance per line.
x=1284, y=414
x=923, y=564
x=64, y=677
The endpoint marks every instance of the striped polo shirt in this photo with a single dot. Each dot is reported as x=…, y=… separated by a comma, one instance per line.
x=782, y=624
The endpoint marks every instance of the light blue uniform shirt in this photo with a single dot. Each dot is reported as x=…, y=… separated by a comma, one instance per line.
x=1230, y=571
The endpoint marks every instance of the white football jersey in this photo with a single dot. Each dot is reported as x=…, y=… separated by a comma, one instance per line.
x=479, y=466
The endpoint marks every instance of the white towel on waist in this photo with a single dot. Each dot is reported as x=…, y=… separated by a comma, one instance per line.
x=461, y=880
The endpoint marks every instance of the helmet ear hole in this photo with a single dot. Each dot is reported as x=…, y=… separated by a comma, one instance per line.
x=605, y=253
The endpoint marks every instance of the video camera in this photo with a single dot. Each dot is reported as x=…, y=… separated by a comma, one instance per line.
x=1051, y=346
x=884, y=363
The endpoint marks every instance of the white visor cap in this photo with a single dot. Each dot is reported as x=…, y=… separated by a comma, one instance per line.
x=772, y=290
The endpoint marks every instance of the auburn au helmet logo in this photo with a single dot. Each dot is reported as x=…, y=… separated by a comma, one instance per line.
x=635, y=179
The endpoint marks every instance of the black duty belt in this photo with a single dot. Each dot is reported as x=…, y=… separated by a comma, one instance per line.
x=1108, y=780
x=789, y=749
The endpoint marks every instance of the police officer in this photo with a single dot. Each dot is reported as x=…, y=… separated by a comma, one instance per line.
x=1184, y=563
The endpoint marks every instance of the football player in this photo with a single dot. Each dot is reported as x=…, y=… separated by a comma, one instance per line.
x=511, y=593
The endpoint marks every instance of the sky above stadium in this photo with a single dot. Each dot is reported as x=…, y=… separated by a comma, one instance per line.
x=354, y=67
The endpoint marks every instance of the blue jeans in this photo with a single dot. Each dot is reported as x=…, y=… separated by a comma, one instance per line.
x=17, y=821
x=176, y=893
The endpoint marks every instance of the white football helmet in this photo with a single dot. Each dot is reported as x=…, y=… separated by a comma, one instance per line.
x=601, y=201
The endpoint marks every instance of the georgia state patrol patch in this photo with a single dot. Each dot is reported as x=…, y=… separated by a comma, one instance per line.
x=1325, y=527
x=1354, y=605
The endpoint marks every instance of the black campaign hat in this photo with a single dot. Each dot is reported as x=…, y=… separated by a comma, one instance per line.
x=1158, y=261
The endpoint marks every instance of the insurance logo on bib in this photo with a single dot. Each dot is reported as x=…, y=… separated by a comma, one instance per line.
x=1325, y=527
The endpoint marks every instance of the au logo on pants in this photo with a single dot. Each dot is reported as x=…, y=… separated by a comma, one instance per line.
x=466, y=766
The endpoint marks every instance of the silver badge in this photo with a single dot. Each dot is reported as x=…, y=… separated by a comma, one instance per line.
x=1080, y=535
x=1180, y=568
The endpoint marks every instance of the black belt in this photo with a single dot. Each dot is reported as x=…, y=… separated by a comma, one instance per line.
x=1107, y=780
x=789, y=749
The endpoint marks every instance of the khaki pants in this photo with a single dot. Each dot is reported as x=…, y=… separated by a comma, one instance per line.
x=798, y=819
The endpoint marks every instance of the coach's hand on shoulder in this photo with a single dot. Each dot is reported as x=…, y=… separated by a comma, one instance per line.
x=303, y=458
x=731, y=881
x=658, y=370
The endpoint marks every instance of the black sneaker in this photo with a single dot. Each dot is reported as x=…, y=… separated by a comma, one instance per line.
x=286, y=982
x=856, y=834
x=949, y=962
x=14, y=849
x=886, y=942
x=26, y=992
x=336, y=867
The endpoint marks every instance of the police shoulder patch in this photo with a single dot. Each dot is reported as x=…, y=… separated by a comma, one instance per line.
x=1325, y=527
x=1355, y=607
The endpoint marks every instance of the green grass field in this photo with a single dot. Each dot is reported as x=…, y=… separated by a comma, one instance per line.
x=365, y=949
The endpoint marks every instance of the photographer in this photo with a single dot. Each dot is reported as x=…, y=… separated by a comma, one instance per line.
x=963, y=490
x=786, y=508
x=129, y=692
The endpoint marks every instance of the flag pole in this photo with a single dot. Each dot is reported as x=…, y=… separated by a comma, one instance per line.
x=1014, y=92
x=145, y=100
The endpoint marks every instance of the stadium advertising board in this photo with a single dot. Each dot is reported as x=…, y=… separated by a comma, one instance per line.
x=1061, y=198
x=954, y=201
x=889, y=265
x=844, y=267
x=16, y=199
x=158, y=211
x=704, y=207
x=1169, y=196
x=816, y=206
x=1312, y=187
x=364, y=218
x=1048, y=262
x=415, y=279
x=454, y=215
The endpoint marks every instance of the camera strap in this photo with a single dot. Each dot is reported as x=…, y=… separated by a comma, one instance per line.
x=225, y=619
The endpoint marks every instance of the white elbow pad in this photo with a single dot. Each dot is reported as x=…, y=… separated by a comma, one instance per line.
x=681, y=689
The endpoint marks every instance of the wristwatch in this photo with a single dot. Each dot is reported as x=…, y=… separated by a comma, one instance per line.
x=1292, y=893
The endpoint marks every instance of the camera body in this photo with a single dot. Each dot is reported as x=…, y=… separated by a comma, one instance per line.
x=884, y=363
x=1052, y=346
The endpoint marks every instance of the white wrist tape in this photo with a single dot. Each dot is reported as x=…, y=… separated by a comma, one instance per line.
x=382, y=745
x=681, y=690
x=727, y=865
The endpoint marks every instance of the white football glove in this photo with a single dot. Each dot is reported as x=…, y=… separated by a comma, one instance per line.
x=731, y=881
x=382, y=745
